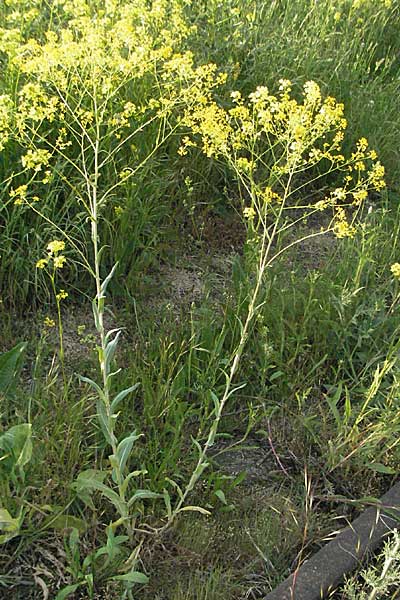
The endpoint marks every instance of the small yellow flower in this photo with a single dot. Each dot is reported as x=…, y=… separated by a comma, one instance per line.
x=285, y=85
x=376, y=176
x=340, y=194
x=55, y=246
x=62, y=294
x=360, y=196
x=395, y=268
x=342, y=229
x=362, y=144
x=339, y=137
x=49, y=322
x=244, y=165
x=322, y=204
x=47, y=176
x=19, y=194
x=186, y=143
x=41, y=263
x=268, y=196
x=312, y=92
x=249, y=213
x=125, y=173
x=59, y=261
x=20, y=191
x=236, y=96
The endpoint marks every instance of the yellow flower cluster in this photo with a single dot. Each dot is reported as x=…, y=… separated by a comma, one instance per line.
x=62, y=294
x=36, y=105
x=249, y=213
x=395, y=269
x=58, y=260
x=376, y=176
x=55, y=247
x=121, y=63
x=275, y=137
x=277, y=119
x=36, y=159
x=19, y=194
x=48, y=322
x=96, y=46
x=121, y=120
x=5, y=118
x=342, y=228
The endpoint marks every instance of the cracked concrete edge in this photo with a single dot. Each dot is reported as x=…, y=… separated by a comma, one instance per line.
x=324, y=571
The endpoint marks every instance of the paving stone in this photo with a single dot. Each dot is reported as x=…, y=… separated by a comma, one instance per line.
x=324, y=571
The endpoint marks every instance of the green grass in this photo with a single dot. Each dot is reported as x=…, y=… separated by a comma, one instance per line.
x=314, y=420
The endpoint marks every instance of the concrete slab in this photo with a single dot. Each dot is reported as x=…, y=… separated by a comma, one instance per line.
x=323, y=572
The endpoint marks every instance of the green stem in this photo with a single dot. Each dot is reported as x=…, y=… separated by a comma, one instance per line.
x=60, y=326
x=100, y=315
x=252, y=309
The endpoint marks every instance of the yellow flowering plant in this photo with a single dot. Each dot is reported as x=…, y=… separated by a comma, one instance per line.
x=86, y=92
x=395, y=271
x=279, y=149
x=53, y=262
x=126, y=63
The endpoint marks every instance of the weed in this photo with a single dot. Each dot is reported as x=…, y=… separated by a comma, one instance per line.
x=127, y=141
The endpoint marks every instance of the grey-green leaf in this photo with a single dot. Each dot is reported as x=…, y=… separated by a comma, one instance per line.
x=9, y=525
x=121, y=395
x=107, y=280
x=132, y=577
x=221, y=496
x=16, y=443
x=67, y=591
x=124, y=449
x=10, y=364
x=93, y=480
x=93, y=385
x=144, y=495
x=111, y=349
x=103, y=420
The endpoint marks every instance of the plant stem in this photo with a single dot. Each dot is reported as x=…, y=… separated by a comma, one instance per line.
x=94, y=205
x=252, y=309
x=60, y=326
